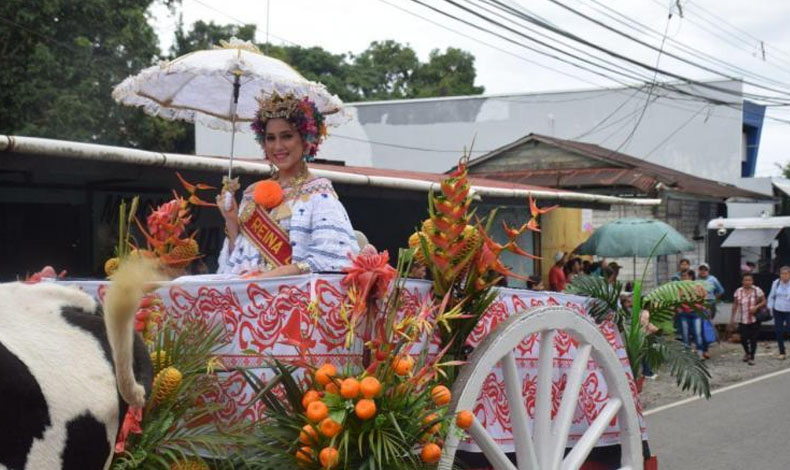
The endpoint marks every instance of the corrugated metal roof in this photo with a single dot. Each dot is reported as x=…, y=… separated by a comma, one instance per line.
x=625, y=170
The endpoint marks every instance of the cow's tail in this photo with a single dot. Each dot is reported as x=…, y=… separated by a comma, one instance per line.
x=132, y=280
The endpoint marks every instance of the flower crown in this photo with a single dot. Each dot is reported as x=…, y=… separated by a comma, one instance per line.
x=302, y=113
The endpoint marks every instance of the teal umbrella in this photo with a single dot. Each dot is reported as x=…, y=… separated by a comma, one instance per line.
x=632, y=237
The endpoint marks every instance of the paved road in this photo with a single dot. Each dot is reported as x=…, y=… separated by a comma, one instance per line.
x=743, y=428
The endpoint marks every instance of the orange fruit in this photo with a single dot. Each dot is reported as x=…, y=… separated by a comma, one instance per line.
x=428, y=419
x=331, y=387
x=324, y=373
x=349, y=388
x=431, y=453
x=403, y=365
x=330, y=428
x=309, y=397
x=370, y=387
x=305, y=454
x=365, y=408
x=308, y=435
x=464, y=419
x=317, y=410
x=328, y=457
x=441, y=395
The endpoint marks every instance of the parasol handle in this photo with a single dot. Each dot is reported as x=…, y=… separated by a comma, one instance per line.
x=228, y=200
x=233, y=106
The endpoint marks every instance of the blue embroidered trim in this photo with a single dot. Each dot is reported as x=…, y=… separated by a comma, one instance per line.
x=332, y=228
x=327, y=254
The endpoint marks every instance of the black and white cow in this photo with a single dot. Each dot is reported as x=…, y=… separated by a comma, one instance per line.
x=60, y=401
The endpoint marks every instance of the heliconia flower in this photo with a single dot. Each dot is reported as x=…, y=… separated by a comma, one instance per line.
x=535, y=210
x=131, y=425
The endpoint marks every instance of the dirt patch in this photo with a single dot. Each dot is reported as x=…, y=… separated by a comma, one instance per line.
x=726, y=368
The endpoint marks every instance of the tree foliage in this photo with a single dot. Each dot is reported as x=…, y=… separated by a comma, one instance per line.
x=60, y=60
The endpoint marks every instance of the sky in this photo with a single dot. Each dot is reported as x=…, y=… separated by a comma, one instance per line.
x=732, y=32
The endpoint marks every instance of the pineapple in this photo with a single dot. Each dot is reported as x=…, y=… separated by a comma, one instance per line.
x=111, y=265
x=166, y=384
x=183, y=253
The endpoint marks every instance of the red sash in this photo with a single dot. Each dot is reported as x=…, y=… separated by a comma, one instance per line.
x=267, y=235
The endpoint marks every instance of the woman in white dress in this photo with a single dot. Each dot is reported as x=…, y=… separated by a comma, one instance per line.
x=294, y=223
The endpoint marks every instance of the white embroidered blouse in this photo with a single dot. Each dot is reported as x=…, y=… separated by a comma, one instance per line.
x=318, y=227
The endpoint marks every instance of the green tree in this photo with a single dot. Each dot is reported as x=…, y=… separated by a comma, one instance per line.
x=318, y=65
x=449, y=73
x=60, y=60
x=383, y=71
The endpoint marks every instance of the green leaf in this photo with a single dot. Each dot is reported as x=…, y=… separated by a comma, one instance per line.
x=689, y=370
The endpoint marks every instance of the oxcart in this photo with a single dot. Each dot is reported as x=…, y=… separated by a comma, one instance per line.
x=539, y=350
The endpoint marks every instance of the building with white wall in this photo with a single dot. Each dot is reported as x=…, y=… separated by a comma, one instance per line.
x=667, y=128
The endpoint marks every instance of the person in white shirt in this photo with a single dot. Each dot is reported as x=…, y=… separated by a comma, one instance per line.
x=779, y=303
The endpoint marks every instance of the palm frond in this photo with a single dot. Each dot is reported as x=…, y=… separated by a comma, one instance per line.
x=604, y=296
x=688, y=369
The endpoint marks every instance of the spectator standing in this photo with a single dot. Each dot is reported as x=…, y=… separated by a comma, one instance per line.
x=683, y=265
x=713, y=286
x=557, y=280
x=615, y=271
x=572, y=269
x=587, y=267
x=690, y=318
x=779, y=303
x=748, y=300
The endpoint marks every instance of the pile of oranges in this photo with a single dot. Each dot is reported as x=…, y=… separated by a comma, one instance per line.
x=317, y=439
x=363, y=392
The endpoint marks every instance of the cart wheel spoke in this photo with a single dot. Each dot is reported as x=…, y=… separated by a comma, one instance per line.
x=545, y=447
x=525, y=450
x=570, y=398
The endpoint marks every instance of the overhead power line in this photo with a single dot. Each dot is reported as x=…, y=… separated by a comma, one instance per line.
x=643, y=29
x=661, y=51
x=485, y=43
x=563, y=33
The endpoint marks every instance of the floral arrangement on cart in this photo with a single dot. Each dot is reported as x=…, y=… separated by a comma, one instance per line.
x=390, y=412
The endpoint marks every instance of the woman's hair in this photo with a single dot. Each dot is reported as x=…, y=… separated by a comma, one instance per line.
x=302, y=113
x=745, y=275
x=533, y=281
x=784, y=268
x=690, y=273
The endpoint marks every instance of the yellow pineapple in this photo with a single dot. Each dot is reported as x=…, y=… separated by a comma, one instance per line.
x=160, y=360
x=166, y=384
x=414, y=242
x=111, y=265
x=183, y=253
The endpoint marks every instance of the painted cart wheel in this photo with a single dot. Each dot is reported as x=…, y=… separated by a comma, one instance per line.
x=544, y=449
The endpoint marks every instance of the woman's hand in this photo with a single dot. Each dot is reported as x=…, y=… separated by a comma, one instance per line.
x=231, y=215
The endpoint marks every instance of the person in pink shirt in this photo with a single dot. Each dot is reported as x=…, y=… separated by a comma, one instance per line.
x=748, y=299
